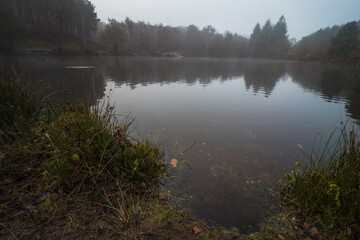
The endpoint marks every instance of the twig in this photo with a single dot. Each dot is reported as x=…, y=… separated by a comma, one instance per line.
x=149, y=234
x=182, y=153
x=75, y=189
x=10, y=231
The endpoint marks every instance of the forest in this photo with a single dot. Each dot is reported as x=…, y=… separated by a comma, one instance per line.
x=72, y=27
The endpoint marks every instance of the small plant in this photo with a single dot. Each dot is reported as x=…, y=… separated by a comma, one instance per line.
x=327, y=192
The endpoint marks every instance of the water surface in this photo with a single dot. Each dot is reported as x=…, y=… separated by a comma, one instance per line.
x=238, y=121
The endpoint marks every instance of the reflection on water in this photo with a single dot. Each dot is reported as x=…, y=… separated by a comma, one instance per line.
x=246, y=117
x=70, y=84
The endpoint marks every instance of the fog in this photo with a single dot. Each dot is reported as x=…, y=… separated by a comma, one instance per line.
x=303, y=16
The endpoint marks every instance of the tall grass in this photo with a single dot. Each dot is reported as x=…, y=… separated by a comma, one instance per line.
x=85, y=143
x=20, y=104
x=326, y=193
x=76, y=151
x=77, y=141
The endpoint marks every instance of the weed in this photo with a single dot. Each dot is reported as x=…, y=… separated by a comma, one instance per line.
x=326, y=194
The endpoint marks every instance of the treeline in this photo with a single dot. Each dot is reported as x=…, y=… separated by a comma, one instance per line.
x=270, y=41
x=49, y=20
x=335, y=41
x=141, y=37
x=74, y=24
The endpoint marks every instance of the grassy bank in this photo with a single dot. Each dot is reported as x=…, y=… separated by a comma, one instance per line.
x=73, y=172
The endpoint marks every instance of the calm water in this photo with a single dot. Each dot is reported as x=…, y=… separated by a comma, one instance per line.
x=243, y=119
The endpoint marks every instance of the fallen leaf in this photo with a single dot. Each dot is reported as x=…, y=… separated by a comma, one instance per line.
x=281, y=237
x=196, y=230
x=204, y=143
x=306, y=225
x=174, y=162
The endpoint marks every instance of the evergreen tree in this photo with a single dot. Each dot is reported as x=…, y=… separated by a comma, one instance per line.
x=254, y=43
x=266, y=40
x=346, y=40
x=280, y=42
x=316, y=44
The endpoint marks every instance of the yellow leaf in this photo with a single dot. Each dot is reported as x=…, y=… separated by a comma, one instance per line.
x=174, y=162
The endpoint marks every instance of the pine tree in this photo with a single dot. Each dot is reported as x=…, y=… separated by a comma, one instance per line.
x=266, y=39
x=254, y=43
x=280, y=40
x=346, y=40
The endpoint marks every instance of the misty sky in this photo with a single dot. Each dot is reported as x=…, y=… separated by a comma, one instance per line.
x=302, y=16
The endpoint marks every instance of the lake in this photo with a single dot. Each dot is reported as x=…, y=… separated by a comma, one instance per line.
x=233, y=125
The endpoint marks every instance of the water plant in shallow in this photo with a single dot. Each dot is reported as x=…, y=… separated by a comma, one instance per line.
x=325, y=195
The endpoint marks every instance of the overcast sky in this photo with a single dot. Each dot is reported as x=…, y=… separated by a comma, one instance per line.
x=302, y=16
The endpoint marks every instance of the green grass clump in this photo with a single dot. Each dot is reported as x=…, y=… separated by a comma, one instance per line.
x=73, y=145
x=53, y=159
x=86, y=144
x=326, y=194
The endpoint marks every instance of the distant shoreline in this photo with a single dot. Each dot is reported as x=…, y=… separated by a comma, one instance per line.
x=177, y=54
